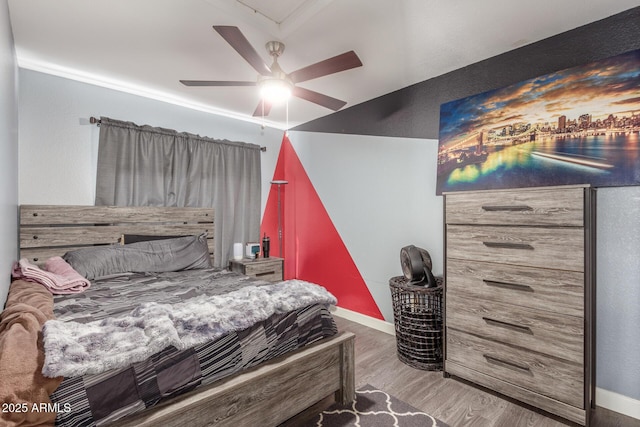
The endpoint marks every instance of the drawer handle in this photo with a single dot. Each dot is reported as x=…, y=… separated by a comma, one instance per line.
x=514, y=286
x=508, y=245
x=519, y=328
x=265, y=273
x=508, y=364
x=512, y=208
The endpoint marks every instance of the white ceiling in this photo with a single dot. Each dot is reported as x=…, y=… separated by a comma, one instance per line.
x=146, y=46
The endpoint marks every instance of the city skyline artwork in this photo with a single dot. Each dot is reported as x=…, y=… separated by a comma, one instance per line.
x=575, y=126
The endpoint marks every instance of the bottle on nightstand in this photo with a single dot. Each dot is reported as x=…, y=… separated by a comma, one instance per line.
x=265, y=246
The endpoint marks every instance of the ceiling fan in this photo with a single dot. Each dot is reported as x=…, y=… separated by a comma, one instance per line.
x=272, y=78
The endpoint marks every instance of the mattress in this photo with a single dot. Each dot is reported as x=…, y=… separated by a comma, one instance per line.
x=97, y=399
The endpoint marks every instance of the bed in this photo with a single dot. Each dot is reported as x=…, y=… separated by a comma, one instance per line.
x=263, y=392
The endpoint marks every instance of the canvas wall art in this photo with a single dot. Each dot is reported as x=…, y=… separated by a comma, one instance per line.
x=576, y=126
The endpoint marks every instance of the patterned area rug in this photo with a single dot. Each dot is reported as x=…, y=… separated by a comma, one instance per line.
x=374, y=408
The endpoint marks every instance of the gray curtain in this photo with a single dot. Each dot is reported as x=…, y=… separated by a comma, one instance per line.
x=150, y=166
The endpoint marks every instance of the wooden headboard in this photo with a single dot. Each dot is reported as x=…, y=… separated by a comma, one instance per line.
x=53, y=230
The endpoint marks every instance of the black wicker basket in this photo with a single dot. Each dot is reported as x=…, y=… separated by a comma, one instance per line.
x=417, y=312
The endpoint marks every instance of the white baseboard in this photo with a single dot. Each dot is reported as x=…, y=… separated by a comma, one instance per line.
x=618, y=403
x=365, y=320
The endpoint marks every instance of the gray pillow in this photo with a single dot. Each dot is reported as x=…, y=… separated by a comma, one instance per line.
x=183, y=253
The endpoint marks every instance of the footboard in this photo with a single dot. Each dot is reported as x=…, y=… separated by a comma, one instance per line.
x=266, y=395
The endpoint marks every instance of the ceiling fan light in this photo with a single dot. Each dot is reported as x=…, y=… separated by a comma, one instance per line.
x=275, y=91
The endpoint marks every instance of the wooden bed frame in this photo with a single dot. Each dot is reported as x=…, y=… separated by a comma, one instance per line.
x=266, y=395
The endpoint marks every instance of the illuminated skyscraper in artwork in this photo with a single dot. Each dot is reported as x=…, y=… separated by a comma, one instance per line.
x=562, y=123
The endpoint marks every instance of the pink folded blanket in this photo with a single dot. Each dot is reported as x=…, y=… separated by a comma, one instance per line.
x=58, y=276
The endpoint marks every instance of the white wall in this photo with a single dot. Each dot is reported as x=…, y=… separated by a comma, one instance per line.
x=380, y=194
x=618, y=291
x=8, y=152
x=59, y=148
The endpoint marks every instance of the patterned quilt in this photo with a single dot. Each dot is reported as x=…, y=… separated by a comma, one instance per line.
x=96, y=399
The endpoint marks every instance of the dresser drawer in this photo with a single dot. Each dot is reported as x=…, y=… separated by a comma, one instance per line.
x=549, y=333
x=549, y=290
x=264, y=271
x=556, y=248
x=560, y=380
x=557, y=207
x=269, y=269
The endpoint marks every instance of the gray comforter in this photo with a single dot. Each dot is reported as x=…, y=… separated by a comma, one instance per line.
x=97, y=399
x=75, y=348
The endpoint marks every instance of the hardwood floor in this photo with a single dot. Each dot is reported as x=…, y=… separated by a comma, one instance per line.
x=453, y=401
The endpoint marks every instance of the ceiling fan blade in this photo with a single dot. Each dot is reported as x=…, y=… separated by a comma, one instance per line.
x=260, y=112
x=345, y=61
x=239, y=42
x=215, y=83
x=318, y=98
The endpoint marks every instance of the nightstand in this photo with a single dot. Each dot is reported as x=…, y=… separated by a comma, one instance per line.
x=270, y=269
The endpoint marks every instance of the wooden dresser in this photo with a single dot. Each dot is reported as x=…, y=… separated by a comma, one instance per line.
x=519, y=293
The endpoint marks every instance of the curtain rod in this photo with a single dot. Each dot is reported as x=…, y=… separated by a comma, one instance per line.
x=97, y=122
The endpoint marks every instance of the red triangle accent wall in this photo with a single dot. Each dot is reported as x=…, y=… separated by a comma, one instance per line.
x=313, y=250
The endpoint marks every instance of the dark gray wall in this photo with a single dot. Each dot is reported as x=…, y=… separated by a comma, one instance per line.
x=414, y=111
